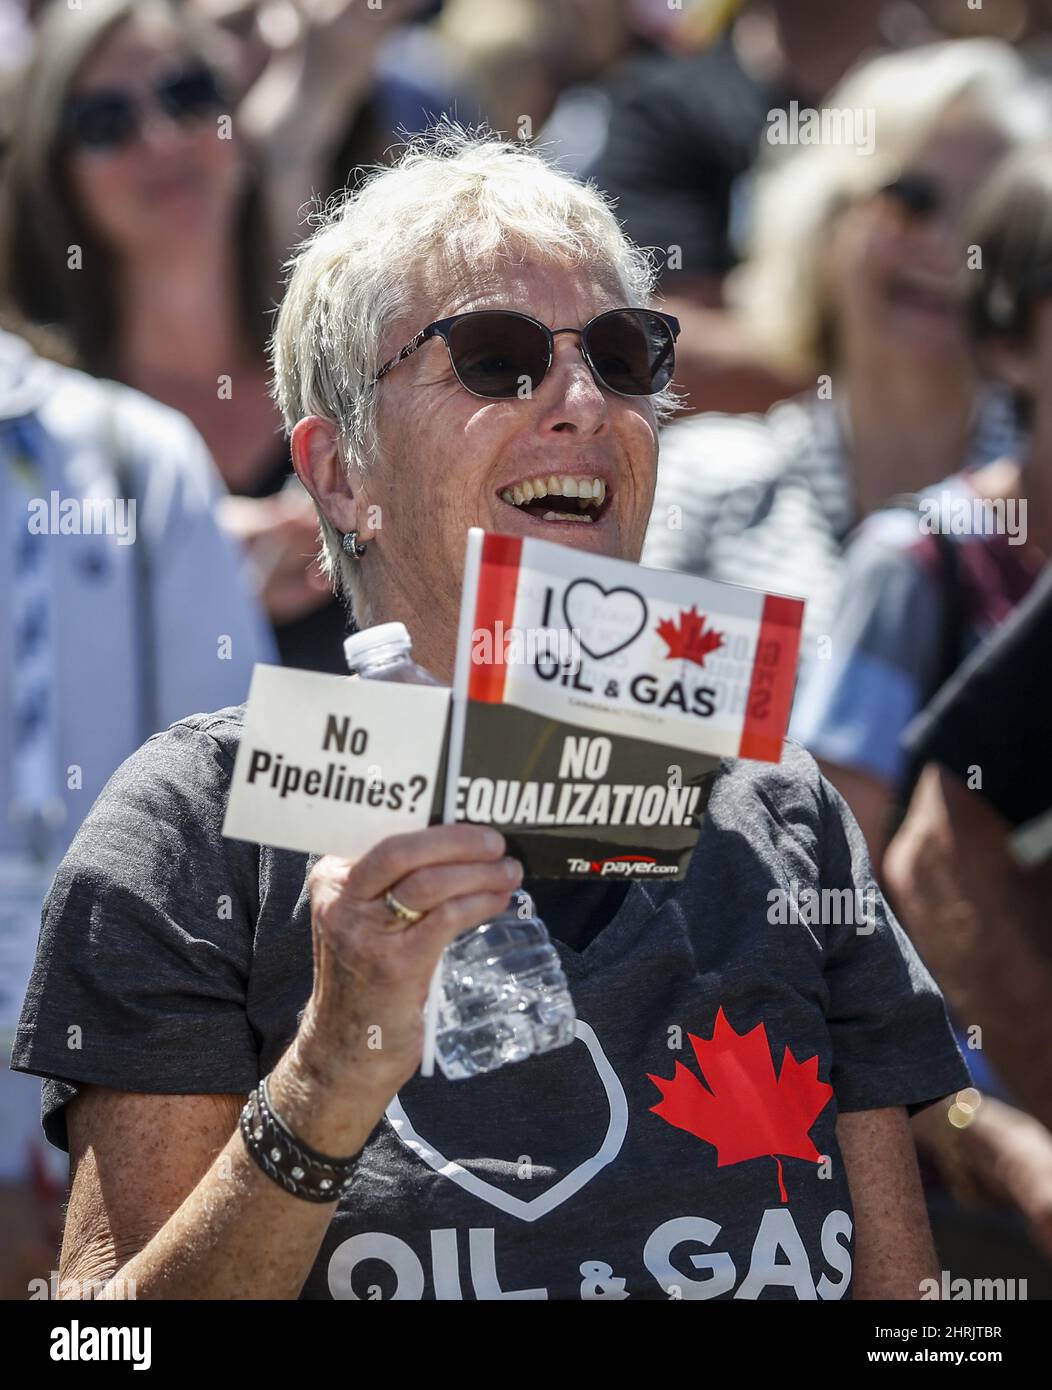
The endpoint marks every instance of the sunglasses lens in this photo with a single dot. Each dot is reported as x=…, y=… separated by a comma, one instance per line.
x=102, y=122
x=916, y=194
x=498, y=354
x=633, y=350
x=191, y=93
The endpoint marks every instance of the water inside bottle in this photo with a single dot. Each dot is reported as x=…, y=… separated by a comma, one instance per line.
x=504, y=995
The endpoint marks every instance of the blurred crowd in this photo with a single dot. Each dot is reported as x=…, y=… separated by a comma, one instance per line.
x=851, y=209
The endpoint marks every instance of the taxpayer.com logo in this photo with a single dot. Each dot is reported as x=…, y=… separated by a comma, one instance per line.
x=630, y=865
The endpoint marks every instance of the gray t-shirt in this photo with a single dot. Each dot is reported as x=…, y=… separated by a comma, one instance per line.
x=683, y=1146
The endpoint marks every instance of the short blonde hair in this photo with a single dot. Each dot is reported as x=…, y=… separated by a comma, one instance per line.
x=778, y=287
x=464, y=194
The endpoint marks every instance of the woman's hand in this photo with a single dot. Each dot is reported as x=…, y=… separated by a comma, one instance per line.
x=362, y=1030
x=167, y=1202
x=1009, y=1154
x=280, y=536
x=308, y=96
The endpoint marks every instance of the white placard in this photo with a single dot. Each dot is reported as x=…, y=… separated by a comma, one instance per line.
x=334, y=764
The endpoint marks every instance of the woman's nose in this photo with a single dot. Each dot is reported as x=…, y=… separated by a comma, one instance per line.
x=160, y=132
x=574, y=401
x=938, y=243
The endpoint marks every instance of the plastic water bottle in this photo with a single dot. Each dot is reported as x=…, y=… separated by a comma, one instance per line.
x=504, y=994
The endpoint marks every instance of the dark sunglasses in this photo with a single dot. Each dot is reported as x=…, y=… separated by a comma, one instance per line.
x=495, y=353
x=112, y=117
x=918, y=195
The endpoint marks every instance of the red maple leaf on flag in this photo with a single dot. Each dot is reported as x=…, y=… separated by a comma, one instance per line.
x=742, y=1109
x=688, y=639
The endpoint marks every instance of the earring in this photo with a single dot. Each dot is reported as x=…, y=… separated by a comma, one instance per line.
x=353, y=546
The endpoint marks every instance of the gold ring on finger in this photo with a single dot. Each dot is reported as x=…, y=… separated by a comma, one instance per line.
x=406, y=915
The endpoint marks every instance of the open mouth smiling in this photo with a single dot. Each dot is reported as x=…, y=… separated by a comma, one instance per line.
x=917, y=290
x=559, y=498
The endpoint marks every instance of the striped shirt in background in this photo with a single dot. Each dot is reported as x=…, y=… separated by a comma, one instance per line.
x=883, y=662
x=767, y=501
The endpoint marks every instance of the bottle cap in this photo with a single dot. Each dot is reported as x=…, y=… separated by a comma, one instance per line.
x=369, y=639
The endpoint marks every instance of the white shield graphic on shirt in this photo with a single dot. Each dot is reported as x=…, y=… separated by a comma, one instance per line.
x=559, y=1192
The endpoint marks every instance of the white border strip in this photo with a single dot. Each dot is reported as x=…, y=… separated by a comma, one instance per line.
x=457, y=722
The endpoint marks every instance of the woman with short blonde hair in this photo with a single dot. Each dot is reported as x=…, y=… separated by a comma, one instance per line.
x=467, y=342
x=852, y=279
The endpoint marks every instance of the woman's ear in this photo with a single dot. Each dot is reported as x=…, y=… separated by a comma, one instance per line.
x=320, y=467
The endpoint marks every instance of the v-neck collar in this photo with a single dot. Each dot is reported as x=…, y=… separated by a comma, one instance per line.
x=642, y=899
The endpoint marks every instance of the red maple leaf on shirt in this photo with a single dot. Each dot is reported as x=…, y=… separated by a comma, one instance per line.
x=741, y=1107
x=688, y=639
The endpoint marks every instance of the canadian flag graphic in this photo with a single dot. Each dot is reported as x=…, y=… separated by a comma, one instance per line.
x=741, y=1107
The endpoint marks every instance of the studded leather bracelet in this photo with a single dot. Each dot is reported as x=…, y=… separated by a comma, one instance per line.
x=285, y=1158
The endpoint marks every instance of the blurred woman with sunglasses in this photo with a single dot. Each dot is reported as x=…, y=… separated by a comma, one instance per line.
x=925, y=584
x=850, y=281
x=132, y=222
x=927, y=587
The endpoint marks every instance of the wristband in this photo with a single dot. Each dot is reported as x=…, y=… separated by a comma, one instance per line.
x=285, y=1158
